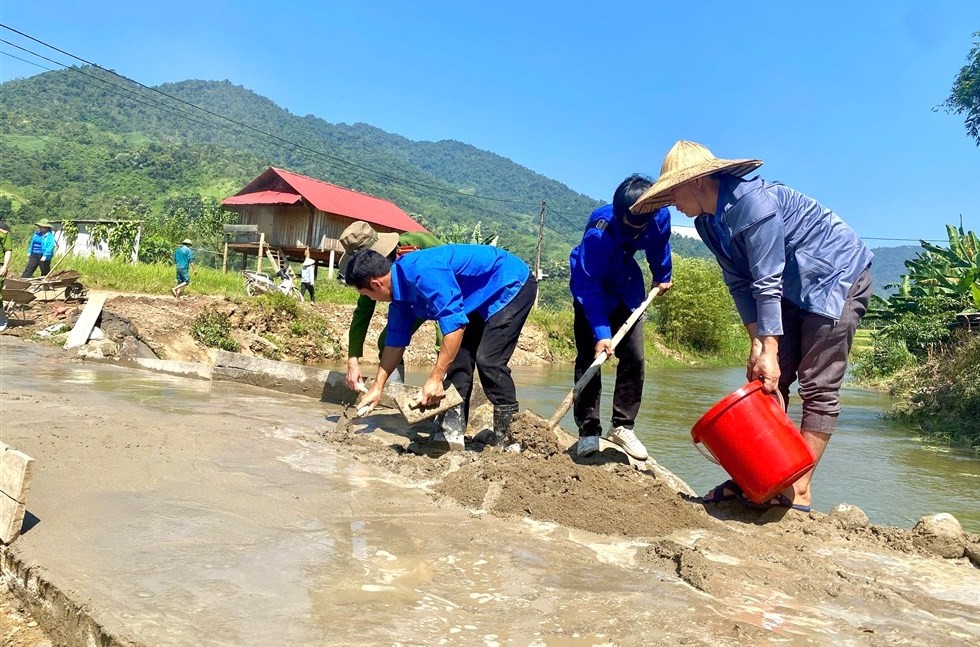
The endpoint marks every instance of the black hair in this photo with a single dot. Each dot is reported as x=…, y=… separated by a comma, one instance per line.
x=4, y=226
x=364, y=265
x=627, y=193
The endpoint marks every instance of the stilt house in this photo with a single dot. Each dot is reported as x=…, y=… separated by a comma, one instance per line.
x=289, y=212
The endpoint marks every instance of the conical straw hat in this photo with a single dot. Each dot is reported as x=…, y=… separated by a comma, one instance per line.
x=687, y=161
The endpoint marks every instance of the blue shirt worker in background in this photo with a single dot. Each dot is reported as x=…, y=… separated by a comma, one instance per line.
x=40, y=250
x=607, y=286
x=799, y=275
x=480, y=296
x=184, y=261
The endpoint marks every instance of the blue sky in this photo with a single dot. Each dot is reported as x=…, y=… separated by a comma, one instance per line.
x=836, y=97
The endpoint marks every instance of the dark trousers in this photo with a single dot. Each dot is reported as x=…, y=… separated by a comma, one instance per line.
x=815, y=349
x=307, y=287
x=488, y=345
x=33, y=262
x=629, y=373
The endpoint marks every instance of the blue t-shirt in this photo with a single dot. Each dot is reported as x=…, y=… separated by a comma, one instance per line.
x=446, y=284
x=183, y=257
x=604, y=270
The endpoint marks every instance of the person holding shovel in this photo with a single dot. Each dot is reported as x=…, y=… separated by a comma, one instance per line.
x=361, y=235
x=799, y=275
x=40, y=250
x=607, y=286
x=480, y=296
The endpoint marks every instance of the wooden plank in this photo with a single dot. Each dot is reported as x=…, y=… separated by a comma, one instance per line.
x=86, y=321
x=241, y=229
x=16, y=471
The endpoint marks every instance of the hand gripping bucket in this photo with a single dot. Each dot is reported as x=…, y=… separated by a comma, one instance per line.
x=750, y=435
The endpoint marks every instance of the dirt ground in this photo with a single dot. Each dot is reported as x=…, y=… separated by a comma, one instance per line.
x=163, y=325
x=17, y=627
x=725, y=550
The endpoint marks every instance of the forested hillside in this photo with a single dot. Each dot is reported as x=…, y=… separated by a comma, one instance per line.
x=75, y=141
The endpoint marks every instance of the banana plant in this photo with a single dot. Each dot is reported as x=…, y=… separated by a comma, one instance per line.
x=952, y=271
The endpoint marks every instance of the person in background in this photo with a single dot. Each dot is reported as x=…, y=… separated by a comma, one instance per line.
x=184, y=261
x=607, y=286
x=799, y=275
x=361, y=235
x=40, y=250
x=308, y=276
x=481, y=297
x=5, y=252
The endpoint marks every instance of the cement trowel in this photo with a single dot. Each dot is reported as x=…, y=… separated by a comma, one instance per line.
x=406, y=399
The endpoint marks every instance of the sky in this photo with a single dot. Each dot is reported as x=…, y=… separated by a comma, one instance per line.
x=837, y=98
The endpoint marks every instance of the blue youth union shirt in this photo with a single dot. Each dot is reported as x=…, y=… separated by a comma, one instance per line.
x=449, y=283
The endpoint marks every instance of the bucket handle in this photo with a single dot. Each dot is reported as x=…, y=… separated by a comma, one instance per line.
x=707, y=454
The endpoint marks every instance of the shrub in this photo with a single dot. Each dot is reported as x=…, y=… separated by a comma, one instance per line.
x=885, y=357
x=943, y=396
x=213, y=329
x=698, y=312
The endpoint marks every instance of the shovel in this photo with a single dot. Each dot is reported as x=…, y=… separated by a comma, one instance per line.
x=600, y=359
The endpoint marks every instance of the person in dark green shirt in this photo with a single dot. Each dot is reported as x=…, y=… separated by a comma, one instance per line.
x=361, y=235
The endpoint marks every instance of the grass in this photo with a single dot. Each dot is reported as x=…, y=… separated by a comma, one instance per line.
x=157, y=278
x=558, y=326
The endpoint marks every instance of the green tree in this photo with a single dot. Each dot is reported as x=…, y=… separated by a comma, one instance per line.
x=698, y=311
x=965, y=94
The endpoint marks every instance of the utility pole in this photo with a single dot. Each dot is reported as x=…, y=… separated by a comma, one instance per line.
x=537, y=261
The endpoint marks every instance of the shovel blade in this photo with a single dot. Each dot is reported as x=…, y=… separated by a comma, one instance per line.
x=405, y=401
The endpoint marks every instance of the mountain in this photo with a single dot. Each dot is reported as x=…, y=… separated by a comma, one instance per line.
x=72, y=141
x=889, y=266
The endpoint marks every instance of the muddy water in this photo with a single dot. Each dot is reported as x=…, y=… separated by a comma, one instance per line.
x=873, y=463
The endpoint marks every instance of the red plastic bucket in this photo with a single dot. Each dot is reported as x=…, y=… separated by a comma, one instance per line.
x=750, y=435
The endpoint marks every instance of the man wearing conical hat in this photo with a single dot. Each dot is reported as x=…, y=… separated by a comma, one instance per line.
x=40, y=249
x=799, y=275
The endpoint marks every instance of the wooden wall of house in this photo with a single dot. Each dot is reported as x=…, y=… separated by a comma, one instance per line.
x=289, y=226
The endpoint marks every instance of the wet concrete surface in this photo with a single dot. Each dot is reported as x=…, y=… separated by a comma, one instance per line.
x=187, y=513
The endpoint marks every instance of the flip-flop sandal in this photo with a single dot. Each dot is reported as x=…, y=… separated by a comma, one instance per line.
x=782, y=501
x=718, y=493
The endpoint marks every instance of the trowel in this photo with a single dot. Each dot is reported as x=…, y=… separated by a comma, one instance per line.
x=406, y=398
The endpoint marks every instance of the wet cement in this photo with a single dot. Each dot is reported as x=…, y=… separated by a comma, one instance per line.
x=187, y=513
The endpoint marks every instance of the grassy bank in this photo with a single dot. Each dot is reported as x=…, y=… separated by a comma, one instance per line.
x=942, y=397
x=158, y=278
x=558, y=326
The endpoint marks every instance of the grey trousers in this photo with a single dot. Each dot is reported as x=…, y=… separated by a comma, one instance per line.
x=814, y=349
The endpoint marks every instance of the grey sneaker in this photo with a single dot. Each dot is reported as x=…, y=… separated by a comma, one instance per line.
x=625, y=438
x=587, y=445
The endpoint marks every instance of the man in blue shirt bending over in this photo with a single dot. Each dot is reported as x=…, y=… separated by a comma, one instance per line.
x=480, y=296
x=607, y=287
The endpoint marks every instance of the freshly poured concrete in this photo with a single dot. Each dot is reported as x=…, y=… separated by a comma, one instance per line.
x=183, y=512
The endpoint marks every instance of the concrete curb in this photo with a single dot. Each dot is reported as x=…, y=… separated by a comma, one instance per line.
x=67, y=622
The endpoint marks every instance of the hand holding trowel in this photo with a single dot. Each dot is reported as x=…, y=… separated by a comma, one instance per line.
x=408, y=399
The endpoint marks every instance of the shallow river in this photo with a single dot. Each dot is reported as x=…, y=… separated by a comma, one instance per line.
x=873, y=463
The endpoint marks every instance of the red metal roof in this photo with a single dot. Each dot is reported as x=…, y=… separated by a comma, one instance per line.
x=276, y=184
x=264, y=197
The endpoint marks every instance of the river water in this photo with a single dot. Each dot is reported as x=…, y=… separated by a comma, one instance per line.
x=876, y=464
